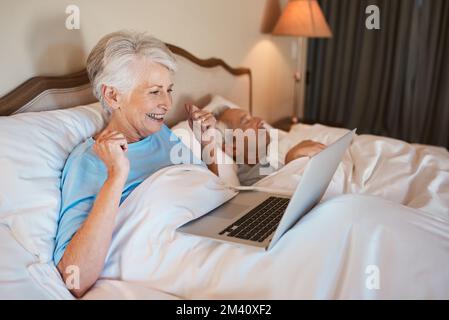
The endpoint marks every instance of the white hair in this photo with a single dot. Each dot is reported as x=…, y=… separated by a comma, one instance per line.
x=108, y=62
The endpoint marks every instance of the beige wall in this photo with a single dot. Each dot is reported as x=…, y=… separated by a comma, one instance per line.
x=34, y=40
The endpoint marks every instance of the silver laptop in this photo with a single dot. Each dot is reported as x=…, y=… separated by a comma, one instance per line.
x=260, y=219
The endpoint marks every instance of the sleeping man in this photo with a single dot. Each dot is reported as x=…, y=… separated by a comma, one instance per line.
x=251, y=157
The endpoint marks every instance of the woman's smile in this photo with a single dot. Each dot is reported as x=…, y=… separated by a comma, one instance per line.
x=158, y=117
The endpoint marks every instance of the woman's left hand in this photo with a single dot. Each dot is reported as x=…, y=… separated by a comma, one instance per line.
x=202, y=124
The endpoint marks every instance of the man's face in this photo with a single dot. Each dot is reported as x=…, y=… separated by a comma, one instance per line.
x=250, y=126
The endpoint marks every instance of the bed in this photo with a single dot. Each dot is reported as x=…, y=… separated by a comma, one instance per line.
x=381, y=230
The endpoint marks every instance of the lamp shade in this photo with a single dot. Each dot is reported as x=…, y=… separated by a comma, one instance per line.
x=302, y=18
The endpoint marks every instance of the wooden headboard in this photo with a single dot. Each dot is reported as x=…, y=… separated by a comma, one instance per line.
x=195, y=81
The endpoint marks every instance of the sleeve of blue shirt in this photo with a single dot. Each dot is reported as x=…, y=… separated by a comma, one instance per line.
x=81, y=180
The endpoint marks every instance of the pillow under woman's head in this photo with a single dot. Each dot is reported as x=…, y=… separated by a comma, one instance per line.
x=33, y=149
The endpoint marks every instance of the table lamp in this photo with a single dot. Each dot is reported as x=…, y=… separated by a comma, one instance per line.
x=301, y=19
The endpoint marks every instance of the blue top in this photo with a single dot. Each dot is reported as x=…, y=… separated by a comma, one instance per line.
x=84, y=174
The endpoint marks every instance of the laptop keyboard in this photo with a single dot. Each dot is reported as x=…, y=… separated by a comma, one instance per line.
x=260, y=222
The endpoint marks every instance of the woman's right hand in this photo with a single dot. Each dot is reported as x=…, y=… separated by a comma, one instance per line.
x=111, y=148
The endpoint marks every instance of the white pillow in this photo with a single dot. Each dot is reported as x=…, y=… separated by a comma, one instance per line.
x=317, y=132
x=33, y=149
x=218, y=104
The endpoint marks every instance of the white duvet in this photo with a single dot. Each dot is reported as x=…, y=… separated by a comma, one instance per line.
x=349, y=246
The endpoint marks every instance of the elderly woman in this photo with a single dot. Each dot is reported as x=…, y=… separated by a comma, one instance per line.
x=131, y=75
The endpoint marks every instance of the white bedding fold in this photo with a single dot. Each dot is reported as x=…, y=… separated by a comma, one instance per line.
x=326, y=255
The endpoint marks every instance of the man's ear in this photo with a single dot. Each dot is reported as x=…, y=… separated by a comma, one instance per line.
x=111, y=96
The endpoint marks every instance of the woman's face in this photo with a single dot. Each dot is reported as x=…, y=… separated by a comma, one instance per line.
x=144, y=107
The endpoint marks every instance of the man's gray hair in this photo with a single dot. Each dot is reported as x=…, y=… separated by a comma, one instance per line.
x=108, y=62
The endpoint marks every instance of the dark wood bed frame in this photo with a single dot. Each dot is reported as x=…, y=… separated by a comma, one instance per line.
x=31, y=88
